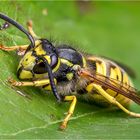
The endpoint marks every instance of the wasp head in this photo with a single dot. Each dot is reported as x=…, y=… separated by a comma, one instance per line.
x=33, y=63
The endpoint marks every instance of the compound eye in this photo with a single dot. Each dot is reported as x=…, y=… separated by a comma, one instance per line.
x=39, y=68
x=54, y=60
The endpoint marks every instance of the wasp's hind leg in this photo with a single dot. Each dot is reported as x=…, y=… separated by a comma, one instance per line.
x=111, y=99
x=30, y=29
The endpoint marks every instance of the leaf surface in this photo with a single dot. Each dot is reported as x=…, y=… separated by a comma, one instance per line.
x=107, y=28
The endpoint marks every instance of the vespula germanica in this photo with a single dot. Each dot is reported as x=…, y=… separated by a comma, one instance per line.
x=69, y=73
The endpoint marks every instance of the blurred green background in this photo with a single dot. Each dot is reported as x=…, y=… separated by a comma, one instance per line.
x=111, y=29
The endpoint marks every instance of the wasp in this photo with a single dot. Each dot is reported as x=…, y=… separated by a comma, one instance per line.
x=71, y=74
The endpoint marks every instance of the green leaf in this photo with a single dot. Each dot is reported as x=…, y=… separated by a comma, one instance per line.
x=104, y=28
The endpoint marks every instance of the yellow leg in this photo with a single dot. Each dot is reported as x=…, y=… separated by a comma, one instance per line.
x=70, y=112
x=21, y=49
x=13, y=48
x=33, y=83
x=111, y=99
x=30, y=29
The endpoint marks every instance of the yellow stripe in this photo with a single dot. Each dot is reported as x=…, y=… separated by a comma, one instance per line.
x=103, y=67
x=66, y=62
x=115, y=73
x=39, y=50
x=125, y=79
x=99, y=70
x=57, y=66
x=118, y=73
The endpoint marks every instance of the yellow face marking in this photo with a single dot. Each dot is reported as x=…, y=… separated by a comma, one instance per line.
x=37, y=42
x=25, y=74
x=28, y=60
x=48, y=59
x=66, y=62
x=69, y=76
x=39, y=50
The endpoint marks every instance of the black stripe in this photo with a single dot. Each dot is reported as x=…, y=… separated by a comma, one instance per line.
x=44, y=86
x=82, y=91
x=19, y=71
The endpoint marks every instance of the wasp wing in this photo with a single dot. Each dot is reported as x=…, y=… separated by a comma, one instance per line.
x=113, y=84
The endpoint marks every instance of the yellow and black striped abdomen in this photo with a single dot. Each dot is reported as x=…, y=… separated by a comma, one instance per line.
x=112, y=71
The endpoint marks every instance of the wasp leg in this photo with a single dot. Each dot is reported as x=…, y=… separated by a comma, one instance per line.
x=111, y=99
x=12, y=48
x=33, y=83
x=70, y=111
x=30, y=29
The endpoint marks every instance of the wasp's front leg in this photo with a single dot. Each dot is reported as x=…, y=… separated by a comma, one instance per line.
x=43, y=82
x=46, y=84
x=21, y=49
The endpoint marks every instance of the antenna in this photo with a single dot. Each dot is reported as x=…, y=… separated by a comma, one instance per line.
x=21, y=28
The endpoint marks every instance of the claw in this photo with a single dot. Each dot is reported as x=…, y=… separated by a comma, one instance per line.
x=62, y=127
x=14, y=82
x=30, y=23
x=1, y=47
x=4, y=48
x=21, y=52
